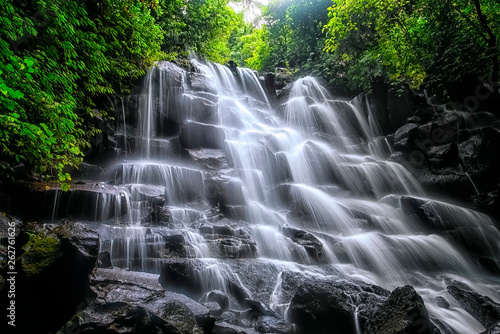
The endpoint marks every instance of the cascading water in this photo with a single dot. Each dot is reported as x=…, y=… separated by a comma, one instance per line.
x=313, y=164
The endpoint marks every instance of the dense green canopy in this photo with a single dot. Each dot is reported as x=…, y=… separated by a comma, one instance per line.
x=62, y=61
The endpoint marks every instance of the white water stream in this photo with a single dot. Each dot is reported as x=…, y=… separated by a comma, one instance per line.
x=311, y=164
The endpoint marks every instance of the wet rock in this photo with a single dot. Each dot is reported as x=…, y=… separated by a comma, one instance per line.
x=201, y=313
x=142, y=290
x=214, y=308
x=173, y=74
x=258, y=275
x=10, y=227
x=159, y=215
x=199, y=82
x=115, y=285
x=488, y=203
x=180, y=316
x=225, y=241
x=174, y=237
x=313, y=246
x=234, y=211
x=452, y=152
x=104, y=260
x=494, y=329
x=444, y=159
x=231, y=248
x=283, y=77
x=152, y=194
x=442, y=302
x=104, y=277
x=82, y=201
x=260, y=309
x=483, y=308
x=179, y=276
x=218, y=297
x=405, y=132
x=403, y=312
x=269, y=84
x=53, y=276
x=327, y=306
x=117, y=318
x=209, y=159
x=87, y=171
x=265, y=320
x=229, y=191
x=189, y=276
x=203, y=109
x=268, y=324
x=400, y=105
x=226, y=328
x=199, y=135
x=222, y=227
x=453, y=222
x=320, y=310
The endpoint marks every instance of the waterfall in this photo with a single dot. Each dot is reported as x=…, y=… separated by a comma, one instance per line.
x=219, y=173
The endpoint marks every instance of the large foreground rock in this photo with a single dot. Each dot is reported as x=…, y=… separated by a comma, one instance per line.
x=196, y=277
x=117, y=318
x=134, y=302
x=483, y=308
x=330, y=306
x=52, y=281
x=403, y=312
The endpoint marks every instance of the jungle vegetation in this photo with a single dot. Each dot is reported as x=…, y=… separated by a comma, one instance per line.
x=62, y=62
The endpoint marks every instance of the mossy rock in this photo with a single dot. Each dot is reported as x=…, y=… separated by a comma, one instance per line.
x=41, y=252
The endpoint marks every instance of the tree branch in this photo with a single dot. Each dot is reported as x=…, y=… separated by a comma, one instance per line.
x=492, y=40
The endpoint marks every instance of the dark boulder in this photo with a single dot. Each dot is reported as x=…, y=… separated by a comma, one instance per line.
x=199, y=82
x=117, y=318
x=201, y=313
x=452, y=152
x=201, y=135
x=494, y=329
x=189, y=276
x=82, y=201
x=143, y=290
x=268, y=324
x=209, y=159
x=218, y=297
x=229, y=191
x=311, y=244
x=483, y=308
x=104, y=260
x=258, y=308
x=214, y=308
x=201, y=108
x=227, y=328
x=403, y=312
x=52, y=283
x=331, y=306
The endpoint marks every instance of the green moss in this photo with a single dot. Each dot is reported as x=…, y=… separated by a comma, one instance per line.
x=41, y=252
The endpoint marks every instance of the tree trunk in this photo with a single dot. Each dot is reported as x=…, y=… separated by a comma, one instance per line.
x=492, y=41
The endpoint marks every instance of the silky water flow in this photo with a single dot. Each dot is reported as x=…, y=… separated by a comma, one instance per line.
x=311, y=163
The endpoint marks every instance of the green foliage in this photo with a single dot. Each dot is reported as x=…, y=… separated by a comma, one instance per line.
x=62, y=60
x=430, y=42
x=296, y=33
x=37, y=124
x=200, y=26
x=252, y=49
x=59, y=57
